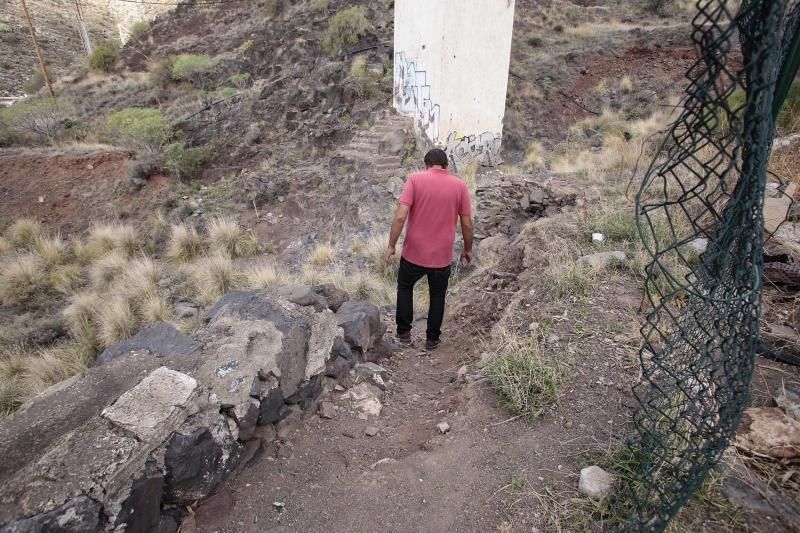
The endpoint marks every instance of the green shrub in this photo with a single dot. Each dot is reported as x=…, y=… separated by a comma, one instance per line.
x=319, y=5
x=43, y=118
x=184, y=163
x=223, y=93
x=272, y=7
x=526, y=382
x=192, y=67
x=789, y=117
x=364, y=81
x=345, y=28
x=33, y=85
x=139, y=29
x=140, y=128
x=161, y=71
x=240, y=80
x=105, y=56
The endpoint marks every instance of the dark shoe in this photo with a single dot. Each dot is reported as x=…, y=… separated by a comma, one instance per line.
x=431, y=345
x=404, y=338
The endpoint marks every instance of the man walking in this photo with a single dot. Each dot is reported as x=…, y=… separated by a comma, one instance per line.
x=432, y=202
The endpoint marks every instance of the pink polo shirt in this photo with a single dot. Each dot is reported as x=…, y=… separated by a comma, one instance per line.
x=436, y=198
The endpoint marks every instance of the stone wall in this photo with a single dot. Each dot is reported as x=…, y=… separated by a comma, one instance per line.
x=164, y=418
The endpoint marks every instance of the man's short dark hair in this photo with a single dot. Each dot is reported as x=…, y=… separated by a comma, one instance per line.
x=436, y=157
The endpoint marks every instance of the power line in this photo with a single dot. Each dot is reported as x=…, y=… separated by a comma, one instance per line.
x=38, y=50
x=87, y=43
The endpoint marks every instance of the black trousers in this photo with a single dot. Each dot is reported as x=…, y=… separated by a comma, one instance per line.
x=408, y=275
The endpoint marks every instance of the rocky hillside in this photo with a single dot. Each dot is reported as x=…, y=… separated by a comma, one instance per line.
x=57, y=28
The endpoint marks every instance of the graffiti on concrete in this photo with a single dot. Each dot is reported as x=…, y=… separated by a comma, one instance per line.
x=412, y=95
x=462, y=149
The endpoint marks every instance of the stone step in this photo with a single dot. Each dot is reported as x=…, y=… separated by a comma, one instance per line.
x=362, y=145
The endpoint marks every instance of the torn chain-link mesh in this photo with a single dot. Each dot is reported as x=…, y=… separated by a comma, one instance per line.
x=699, y=213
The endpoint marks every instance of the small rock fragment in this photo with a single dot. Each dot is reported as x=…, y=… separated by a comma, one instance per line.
x=443, y=427
x=595, y=482
x=326, y=410
x=371, y=431
x=602, y=260
x=789, y=401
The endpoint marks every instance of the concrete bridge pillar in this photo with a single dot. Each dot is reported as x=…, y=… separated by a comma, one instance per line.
x=451, y=73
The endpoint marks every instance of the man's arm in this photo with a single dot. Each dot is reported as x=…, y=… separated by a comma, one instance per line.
x=466, y=232
x=399, y=221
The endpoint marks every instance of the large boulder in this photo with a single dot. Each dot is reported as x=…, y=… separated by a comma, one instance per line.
x=248, y=333
x=107, y=449
x=160, y=339
x=362, y=325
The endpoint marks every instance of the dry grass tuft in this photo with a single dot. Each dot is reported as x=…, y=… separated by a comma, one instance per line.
x=185, y=244
x=65, y=279
x=24, y=232
x=107, y=238
x=52, y=251
x=373, y=251
x=263, y=275
x=356, y=247
x=159, y=227
x=322, y=255
x=140, y=280
x=368, y=286
x=116, y=321
x=311, y=275
x=24, y=374
x=214, y=276
x=534, y=157
x=81, y=315
x=22, y=279
x=5, y=246
x=152, y=309
x=227, y=238
x=567, y=278
x=470, y=176
x=626, y=84
x=108, y=269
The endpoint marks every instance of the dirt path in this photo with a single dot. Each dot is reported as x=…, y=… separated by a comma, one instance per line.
x=485, y=474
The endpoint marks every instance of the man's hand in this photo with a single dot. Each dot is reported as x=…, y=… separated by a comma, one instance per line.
x=467, y=257
x=388, y=254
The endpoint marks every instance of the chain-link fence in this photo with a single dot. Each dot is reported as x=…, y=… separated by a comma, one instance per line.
x=699, y=212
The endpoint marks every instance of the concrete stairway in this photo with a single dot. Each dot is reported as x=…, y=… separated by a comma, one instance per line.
x=366, y=145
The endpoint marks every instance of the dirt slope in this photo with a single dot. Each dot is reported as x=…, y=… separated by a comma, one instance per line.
x=477, y=477
x=67, y=191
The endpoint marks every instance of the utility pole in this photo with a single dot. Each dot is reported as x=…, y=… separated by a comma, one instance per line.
x=36, y=47
x=87, y=43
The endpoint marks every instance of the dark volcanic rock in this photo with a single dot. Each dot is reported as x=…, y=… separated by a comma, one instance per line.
x=79, y=515
x=273, y=407
x=334, y=296
x=193, y=465
x=361, y=322
x=160, y=339
x=303, y=295
x=141, y=511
